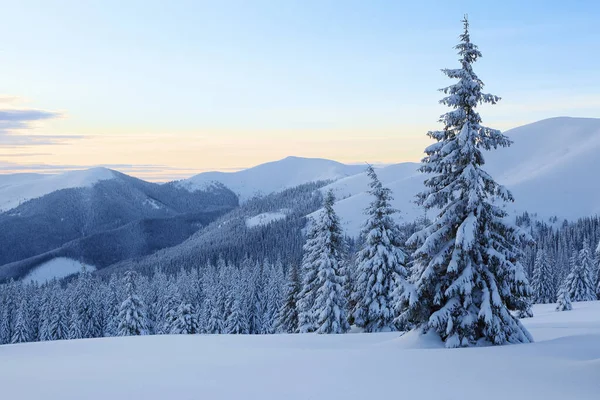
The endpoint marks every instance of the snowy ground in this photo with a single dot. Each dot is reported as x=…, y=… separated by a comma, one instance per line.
x=564, y=363
x=59, y=267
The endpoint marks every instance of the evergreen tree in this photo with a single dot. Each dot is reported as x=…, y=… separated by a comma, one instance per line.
x=467, y=272
x=563, y=302
x=380, y=264
x=74, y=330
x=111, y=308
x=542, y=283
x=5, y=330
x=306, y=297
x=237, y=321
x=58, y=328
x=173, y=300
x=214, y=303
x=258, y=297
x=186, y=321
x=274, y=298
x=597, y=274
x=132, y=313
x=21, y=332
x=46, y=312
x=579, y=281
x=328, y=312
x=288, y=314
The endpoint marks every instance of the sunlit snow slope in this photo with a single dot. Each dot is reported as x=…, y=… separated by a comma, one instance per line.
x=564, y=363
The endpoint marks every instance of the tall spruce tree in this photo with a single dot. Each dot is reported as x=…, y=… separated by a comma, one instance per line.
x=467, y=272
x=306, y=297
x=328, y=311
x=542, y=283
x=380, y=264
x=288, y=315
x=580, y=281
x=132, y=313
x=563, y=302
x=597, y=269
x=21, y=332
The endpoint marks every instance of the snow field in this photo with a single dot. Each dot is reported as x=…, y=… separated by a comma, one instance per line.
x=564, y=363
x=59, y=267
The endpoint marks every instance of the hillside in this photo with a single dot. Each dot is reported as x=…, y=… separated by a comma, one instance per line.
x=264, y=227
x=47, y=223
x=552, y=167
x=16, y=189
x=562, y=364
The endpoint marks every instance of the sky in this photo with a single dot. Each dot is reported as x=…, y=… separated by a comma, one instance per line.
x=164, y=90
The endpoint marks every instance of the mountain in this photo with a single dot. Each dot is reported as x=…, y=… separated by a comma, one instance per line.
x=18, y=188
x=113, y=220
x=273, y=176
x=107, y=218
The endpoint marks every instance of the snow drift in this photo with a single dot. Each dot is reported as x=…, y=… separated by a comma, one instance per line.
x=562, y=364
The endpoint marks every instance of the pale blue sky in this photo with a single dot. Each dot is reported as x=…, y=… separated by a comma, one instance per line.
x=225, y=84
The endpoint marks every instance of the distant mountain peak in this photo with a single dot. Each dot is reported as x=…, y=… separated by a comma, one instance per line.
x=273, y=176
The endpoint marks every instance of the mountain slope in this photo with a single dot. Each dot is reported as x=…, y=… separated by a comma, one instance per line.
x=263, y=227
x=273, y=176
x=48, y=222
x=135, y=239
x=16, y=189
x=552, y=168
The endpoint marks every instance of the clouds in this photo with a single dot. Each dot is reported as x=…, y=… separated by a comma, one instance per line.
x=16, y=124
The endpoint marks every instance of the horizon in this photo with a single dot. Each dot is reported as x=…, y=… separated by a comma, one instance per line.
x=145, y=174
x=169, y=92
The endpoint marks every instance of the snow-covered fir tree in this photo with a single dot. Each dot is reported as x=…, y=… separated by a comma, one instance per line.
x=580, y=281
x=380, y=264
x=328, y=311
x=597, y=270
x=237, y=317
x=5, y=329
x=563, y=302
x=21, y=331
x=132, y=313
x=214, y=307
x=467, y=272
x=186, y=321
x=288, y=314
x=75, y=325
x=306, y=297
x=275, y=280
x=542, y=282
x=58, y=325
x=110, y=305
